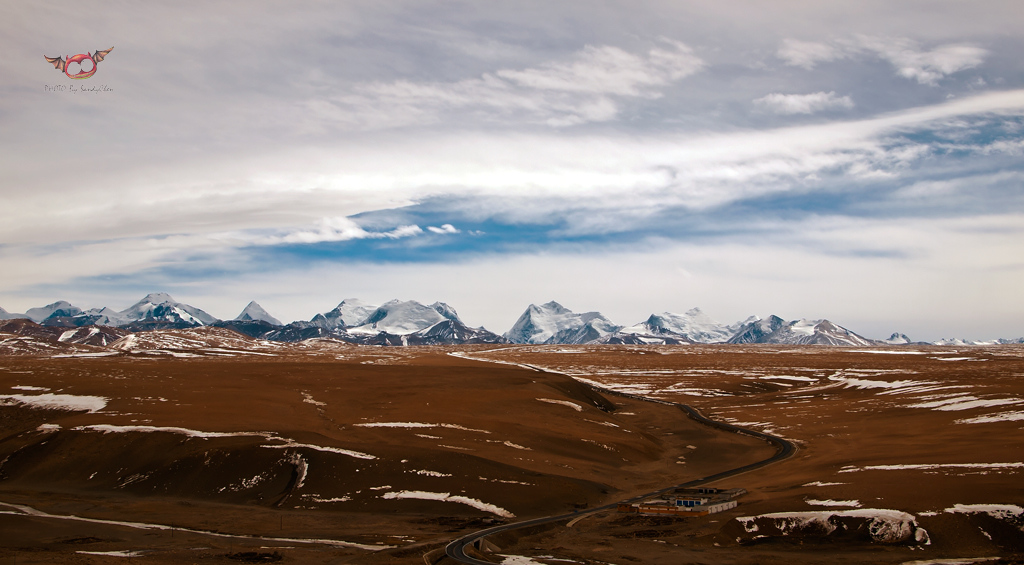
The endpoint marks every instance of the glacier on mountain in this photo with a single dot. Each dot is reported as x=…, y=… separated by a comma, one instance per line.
x=553, y=323
x=399, y=317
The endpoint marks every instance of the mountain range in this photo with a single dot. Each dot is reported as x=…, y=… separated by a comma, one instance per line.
x=410, y=323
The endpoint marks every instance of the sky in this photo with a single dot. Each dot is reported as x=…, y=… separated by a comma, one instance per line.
x=856, y=161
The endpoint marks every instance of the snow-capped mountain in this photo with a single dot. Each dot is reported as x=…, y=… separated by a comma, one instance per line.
x=798, y=332
x=757, y=330
x=447, y=332
x=644, y=334
x=553, y=323
x=897, y=339
x=5, y=315
x=394, y=323
x=254, y=312
x=98, y=316
x=351, y=312
x=399, y=317
x=694, y=325
x=592, y=331
x=961, y=341
x=61, y=308
x=159, y=309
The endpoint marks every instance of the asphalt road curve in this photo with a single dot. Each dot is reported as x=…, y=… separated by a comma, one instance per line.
x=457, y=549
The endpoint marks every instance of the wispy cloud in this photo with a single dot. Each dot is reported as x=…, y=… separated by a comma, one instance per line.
x=445, y=228
x=803, y=103
x=587, y=87
x=338, y=229
x=911, y=61
x=807, y=54
x=926, y=67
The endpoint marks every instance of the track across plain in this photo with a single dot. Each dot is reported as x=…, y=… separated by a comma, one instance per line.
x=457, y=549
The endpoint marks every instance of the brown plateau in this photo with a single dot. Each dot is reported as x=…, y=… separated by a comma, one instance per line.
x=330, y=453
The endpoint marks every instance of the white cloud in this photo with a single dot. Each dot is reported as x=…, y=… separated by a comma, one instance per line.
x=804, y=103
x=579, y=90
x=926, y=67
x=446, y=228
x=339, y=229
x=610, y=70
x=593, y=184
x=835, y=267
x=906, y=55
x=807, y=54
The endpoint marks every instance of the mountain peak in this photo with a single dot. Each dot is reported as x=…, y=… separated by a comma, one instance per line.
x=553, y=323
x=553, y=306
x=255, y=312
x=59, y=308
x=400, y=318
x=446, y=311
x=157, y=298
x=897, y=338
x=159, y=307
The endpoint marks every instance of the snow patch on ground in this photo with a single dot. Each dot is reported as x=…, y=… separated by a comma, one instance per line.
x=1000, y=417
x=269, y=436
x=291, y=443
x=50, y=401
x=884, y=526
x=932, y=466
x=572, y=405
x=864, y=384
x=830, y=502
x=114, y=429
x=789, y=378
x=448, y=497
x=29, y=511
x=821, y=484
x=958, y=561
x=124, y=553
x=317, y=498
x=889, y=351
x=965, y=402
x=518, y=560
x=413, y=425
x=308, y=399
x=1001, y=511
x=427, y=473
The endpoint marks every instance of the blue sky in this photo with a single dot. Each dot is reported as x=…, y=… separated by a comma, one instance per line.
x=806, y=159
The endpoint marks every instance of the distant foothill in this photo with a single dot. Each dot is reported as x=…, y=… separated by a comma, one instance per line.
x=410, y=323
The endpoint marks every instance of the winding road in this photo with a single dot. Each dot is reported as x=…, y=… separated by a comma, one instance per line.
x=457, y=549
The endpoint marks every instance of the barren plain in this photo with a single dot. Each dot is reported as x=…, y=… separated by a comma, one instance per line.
x=197, y=449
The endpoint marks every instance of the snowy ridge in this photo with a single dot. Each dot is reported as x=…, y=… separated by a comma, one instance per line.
x=798, y=332
x=5, y=315
x=161, y=307
x=402, y=318
x=695, y=325
x=350, y=312
x=60, y=308
x=554, y=323
x=400, y=322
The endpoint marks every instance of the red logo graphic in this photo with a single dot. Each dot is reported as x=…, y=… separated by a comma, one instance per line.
x=61, y=65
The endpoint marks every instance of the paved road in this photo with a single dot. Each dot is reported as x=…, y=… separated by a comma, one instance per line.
x=457, y=549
